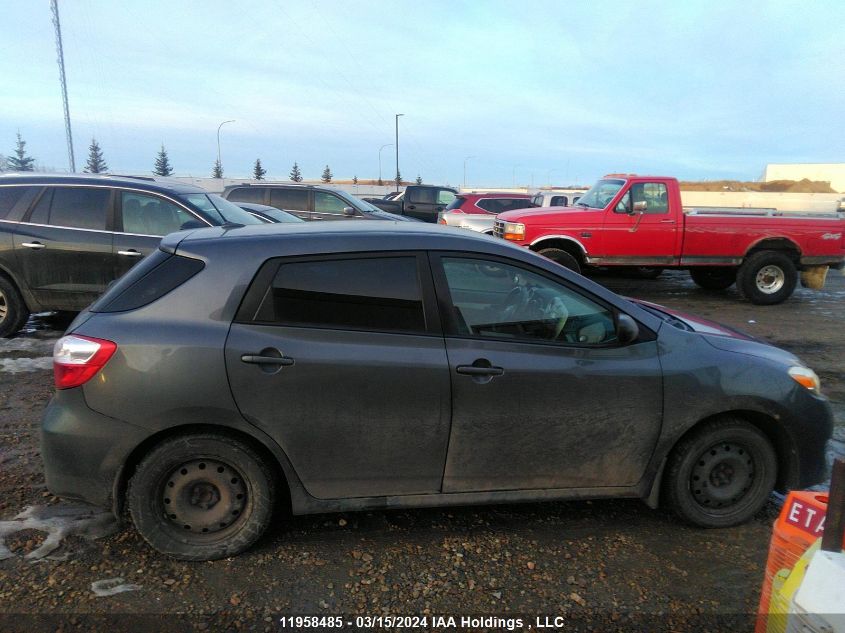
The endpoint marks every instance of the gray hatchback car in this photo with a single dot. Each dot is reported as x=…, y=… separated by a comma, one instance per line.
x=350, y=365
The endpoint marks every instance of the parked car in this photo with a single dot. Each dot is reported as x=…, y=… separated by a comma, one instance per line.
x=268, y=214
x=64, y=238
x=352, y=366
x=628, y=220
x=308, y=202
x=477, y=211
x=422, y=202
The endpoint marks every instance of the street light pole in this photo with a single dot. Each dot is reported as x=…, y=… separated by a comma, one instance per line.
x=465, y=170
x=218, y=140
x=379, y=159
x=397, y=150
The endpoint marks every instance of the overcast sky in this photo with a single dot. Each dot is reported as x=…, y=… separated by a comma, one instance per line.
x=550, y=91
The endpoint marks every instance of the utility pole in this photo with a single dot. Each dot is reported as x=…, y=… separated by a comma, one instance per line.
x=54, y=7
x=218, y=139
x=397, y=149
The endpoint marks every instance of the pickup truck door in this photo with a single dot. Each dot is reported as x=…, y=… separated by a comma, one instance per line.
x=542, y=397
x=425, y=203
x=641, y=227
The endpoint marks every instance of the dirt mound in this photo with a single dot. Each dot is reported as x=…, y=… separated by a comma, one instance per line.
x=782, y=186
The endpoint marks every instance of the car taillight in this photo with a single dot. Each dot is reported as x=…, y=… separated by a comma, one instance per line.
x=76, y=359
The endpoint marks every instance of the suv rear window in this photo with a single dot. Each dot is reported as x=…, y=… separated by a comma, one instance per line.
x=456, y=203
x=155, y=276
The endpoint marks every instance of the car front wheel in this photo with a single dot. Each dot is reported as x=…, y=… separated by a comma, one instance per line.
x=721, y=474
x=202, y=496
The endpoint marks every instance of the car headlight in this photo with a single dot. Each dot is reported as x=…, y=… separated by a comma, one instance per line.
x=514, y=231
x=806, y=377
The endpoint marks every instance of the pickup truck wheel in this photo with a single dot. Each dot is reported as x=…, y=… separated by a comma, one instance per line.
x=202, y=497
x=715, y=278
x=721, y=474
x=13, y=311
x=561, y=257
x=767, y=277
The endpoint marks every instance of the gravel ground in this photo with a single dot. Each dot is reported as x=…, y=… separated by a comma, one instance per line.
x=612, y=565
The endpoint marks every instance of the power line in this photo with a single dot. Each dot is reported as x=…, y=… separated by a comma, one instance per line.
x=54, y=7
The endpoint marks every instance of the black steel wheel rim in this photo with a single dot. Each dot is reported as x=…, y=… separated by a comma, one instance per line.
x=722, y=475
x=203, y=496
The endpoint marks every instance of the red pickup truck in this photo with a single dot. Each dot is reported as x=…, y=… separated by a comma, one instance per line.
x=627, y=220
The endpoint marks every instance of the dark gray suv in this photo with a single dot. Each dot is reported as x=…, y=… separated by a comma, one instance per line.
x=358, y=365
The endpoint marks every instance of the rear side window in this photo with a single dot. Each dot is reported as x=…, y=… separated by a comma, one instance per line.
x=247, y=194
x=456, y=203
x=382, y=294
x=73, y=207
x=154, y=277
x=293, y=199
x=491, y=205
x=9, y=197
x=420, y=195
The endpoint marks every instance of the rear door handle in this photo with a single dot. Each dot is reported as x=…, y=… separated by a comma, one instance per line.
x=130, y=253
x=474, y=370
x=256, y=359
x=34, y=245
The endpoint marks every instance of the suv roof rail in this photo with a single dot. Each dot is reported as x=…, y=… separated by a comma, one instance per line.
x=147, y=178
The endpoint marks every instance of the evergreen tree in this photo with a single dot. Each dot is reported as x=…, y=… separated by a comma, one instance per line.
x=327, y=175
x=354, y=180
x=96, y=163
x=20, y=161
x=295, y=174
x=217, y=171
x=419, y=179
x=398, y=180
x=162, y=165
x=258, y=171
x=3, y=165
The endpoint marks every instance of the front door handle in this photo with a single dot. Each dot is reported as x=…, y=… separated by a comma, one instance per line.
x=257, y=359
x=475, y=370
x=411, y=207
x=670, y=221
x=34, y=245
x=130, y=253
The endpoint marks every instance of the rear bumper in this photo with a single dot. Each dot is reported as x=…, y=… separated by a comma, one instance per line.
x=84, y=451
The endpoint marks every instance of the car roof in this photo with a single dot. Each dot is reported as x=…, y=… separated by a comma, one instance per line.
x=149, y=183
x=494, y=194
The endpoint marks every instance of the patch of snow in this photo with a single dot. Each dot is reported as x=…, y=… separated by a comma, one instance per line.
x=111, y=586
x=59, y=522
x=18, y=365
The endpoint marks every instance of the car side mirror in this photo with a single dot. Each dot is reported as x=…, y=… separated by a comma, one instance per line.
x=627, y=330
x=349, y=211
x=640, y=207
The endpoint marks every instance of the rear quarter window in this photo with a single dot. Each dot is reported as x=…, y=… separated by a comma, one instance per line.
x=9, y=197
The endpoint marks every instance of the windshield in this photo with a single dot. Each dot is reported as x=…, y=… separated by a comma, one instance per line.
x=601, y=194
x=220, y=210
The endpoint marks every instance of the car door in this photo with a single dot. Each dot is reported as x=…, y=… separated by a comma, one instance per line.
x=641, y=236
x=421, y=203
x=63, y=246
x=328, y=206
x=341, y=361
x=543, y=396
x=292, y=199
x=141, y=220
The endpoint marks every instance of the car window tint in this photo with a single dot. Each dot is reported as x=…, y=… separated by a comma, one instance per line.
x=445, y=197
x=247, y=194
x=653, y=194
x=294, y=199
x=496, y=300
x=421, y=195
x=456, y=203
x=559, y=201
x=9, y=197
x=79, y=207
x=328, y=203
x=363, y=293
x=41, y=213
x=151, y=215
x=491, y=205
x=514, y=203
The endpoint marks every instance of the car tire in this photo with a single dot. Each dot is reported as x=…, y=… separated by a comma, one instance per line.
x=721, y=474
x=13, y=310
x=202, y=496
x=714, y=278
x=561, y=257
x=767, y=277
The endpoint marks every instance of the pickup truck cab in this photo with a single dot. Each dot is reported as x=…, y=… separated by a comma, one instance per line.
x=421, y=202
x=629, y=220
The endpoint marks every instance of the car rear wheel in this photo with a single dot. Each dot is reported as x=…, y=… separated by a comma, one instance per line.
x=13, y=311
x=202, y=496
x=714, y=278
x=561, y=257
x=721, y=474
x=767, y=277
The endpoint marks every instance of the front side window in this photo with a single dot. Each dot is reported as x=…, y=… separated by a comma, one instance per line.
x=292, y=199
x=445, y=197
x=491, y=299
x=73, y=207
x=601, y=194
x=653, y=194
x=380, y=293
x=328, y=203
x=151, y=215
